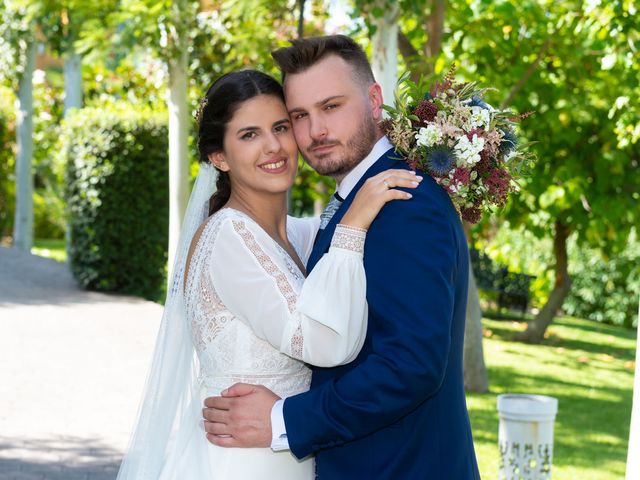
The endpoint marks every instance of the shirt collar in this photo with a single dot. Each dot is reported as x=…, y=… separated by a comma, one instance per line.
x=354, y=176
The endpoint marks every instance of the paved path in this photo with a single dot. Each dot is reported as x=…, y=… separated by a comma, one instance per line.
x=72, y=369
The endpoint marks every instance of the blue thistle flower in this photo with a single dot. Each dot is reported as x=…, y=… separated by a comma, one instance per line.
x=509, y=142
x=478, y=102
x=440, y=160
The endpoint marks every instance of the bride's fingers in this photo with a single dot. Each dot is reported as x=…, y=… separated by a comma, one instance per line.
x=405, y=181
x=395, y=178
x=394, y=194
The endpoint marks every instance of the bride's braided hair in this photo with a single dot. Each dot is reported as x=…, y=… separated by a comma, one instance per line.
x=217, y=107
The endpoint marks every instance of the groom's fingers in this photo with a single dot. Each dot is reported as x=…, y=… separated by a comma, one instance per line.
x=215, y=415
x=218, y=403
x=238, y=390
x=215, y=428
x=223, y=441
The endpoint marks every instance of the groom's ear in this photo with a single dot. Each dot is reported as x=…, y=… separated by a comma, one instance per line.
x=218, y=160
x=376, y=100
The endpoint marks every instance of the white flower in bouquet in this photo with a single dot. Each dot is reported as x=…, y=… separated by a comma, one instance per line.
x=428, y=137
x=479, y=118
x=468, y=151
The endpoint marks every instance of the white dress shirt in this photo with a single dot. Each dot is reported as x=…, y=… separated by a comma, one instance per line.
x=279, y=440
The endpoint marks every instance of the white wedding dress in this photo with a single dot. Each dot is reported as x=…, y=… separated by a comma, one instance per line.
x=255, y=319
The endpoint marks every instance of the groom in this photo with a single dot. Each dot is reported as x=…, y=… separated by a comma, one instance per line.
x=398, y=411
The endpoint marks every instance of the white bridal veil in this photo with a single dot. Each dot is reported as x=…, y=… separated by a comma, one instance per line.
x=171, y=396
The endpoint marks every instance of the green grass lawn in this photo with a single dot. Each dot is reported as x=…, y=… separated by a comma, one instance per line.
x=50, y=249
x=589, y=368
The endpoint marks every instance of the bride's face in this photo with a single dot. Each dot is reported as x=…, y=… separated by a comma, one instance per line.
x=260, y=151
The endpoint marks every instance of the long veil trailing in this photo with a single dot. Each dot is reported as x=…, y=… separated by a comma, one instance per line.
x=171, y=399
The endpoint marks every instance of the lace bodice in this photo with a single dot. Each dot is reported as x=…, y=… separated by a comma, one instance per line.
x=253, y=317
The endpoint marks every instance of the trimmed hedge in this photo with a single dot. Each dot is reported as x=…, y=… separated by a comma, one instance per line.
x=117, y=194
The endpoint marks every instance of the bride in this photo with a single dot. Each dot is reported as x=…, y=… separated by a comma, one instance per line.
x=240, y=307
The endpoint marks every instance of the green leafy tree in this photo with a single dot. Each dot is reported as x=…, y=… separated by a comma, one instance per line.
x=573, y=65
x=388, y=37
x=17, y=63
x=197, y=42
x=585, y=182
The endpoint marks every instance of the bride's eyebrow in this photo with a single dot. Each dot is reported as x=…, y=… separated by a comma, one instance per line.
x=281, y=122
x=247, y=129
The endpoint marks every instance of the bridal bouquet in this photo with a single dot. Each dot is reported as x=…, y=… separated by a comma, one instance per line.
x=467, y=146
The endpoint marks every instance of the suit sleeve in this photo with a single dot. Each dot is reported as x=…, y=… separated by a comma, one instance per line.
x=411, y=265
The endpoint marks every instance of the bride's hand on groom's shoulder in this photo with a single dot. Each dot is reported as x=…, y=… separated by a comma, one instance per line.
x=241, y=417
x=376, y=192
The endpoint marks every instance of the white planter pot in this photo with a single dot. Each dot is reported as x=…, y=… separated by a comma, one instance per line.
x=525, y=436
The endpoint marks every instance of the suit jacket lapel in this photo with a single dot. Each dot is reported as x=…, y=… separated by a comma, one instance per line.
x=321, y=246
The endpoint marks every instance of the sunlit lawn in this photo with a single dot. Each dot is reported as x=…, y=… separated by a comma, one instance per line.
x=53, y=249
x=589, y=368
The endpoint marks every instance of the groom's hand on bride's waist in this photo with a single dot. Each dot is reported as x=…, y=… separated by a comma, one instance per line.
x=241, y=417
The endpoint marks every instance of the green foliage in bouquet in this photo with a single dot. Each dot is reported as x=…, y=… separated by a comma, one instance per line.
x=117, y=196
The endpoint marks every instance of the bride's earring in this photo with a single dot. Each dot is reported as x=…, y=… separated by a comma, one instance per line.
x=217, y=160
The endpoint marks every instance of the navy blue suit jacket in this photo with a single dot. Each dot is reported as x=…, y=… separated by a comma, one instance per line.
x=398, y=411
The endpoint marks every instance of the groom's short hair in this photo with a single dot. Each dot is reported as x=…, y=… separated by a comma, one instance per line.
x=306, y=52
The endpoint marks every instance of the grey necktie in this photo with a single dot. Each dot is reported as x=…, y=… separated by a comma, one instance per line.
x=331, y=208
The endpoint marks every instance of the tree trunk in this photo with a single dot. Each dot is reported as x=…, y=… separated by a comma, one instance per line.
x=301, y=19
x=23, y=224
x=72, y=98
x=72, y=80
x=476, y=378
x=435, y=29
x=178, y=149
x=633, y=459
x=537, y=327
x=385, y=51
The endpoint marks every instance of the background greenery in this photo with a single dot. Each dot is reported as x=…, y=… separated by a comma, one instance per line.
x=117, y=196
x=573, y=226
x=572, y=63
x=589, y=368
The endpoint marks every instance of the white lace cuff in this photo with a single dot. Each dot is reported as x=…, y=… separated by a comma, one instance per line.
x=349, y=238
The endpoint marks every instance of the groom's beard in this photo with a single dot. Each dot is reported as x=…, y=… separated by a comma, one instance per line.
x=357, y=148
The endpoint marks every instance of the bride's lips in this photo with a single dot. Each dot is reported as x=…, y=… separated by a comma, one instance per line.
x=275, y=165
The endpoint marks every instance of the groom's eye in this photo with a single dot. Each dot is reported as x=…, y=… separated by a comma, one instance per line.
x=331, y=106
x=299, y=116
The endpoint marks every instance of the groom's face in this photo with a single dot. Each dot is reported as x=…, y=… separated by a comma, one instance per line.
x=334, y=115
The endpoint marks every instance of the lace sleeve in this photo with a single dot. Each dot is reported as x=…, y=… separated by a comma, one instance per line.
x=349, y=238
x=321, y=321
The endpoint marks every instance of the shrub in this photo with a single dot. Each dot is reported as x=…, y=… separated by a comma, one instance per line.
x=7, y=163
x=49, y=219
x=117, y=197
x=606, y=289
